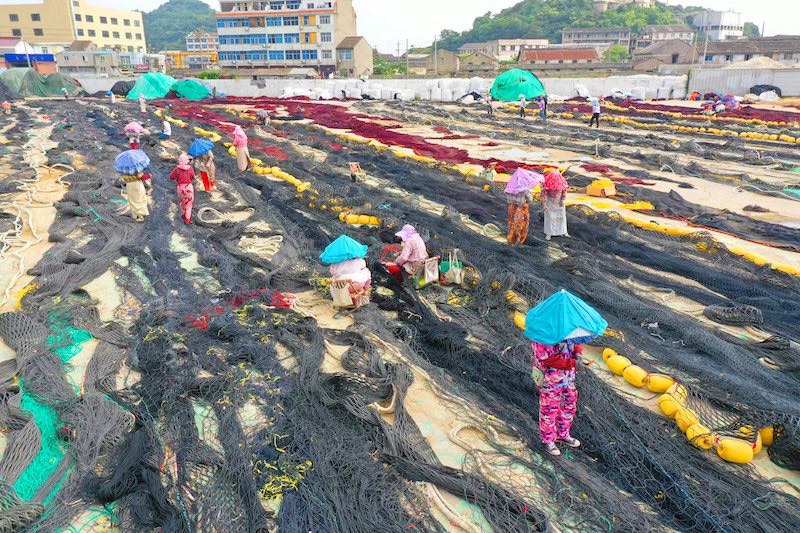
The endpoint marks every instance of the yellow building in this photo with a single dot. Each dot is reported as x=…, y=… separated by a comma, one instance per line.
x=53, y=22
x=195, y=60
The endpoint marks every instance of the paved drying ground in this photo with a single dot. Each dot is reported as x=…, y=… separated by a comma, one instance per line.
x=197, y=378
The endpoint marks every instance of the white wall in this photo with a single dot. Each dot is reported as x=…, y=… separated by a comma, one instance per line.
x=738, y=82
x=427, y=89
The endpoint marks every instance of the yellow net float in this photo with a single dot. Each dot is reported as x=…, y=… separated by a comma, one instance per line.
x=734, y=450
x=659, y=383
x=519, y=320
x=669, y=405
x=767, y=435
x=635, y=375
x=608, y=353
x=700, y=436
x=685, y=418
x=617, y=364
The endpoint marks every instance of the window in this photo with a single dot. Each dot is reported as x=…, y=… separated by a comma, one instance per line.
x=220, y=24
x=709, y=57
x=310, y=54
x=36, y=17
x=255, y=39
x=327, y=54
x=77, y=17
x=306, y=20
x=115, y=35
x=75, y=3
x=16, y=33
x=292, y=54
x=274, y=38
x=129, y=36
x=137, y=23
x=325, y=19
x=675, y=58
x=291, y=37
x=91, y=33
x=729, y=57
x=276, y=55
x=38, y=32
x=291, y=21
x=787, y=56
x=89, y=18
x=130, y=49
x=293, y=4
x=254, y=56
x=138, y=36
x=274, y=21
x=13, y=18
x=105, y=34
x=325, y=37
x=114, y=21
x=126, y=22
x=276, y=6
x=345, y=55
x=103, y=20
x=80, y=32
x=748, y=56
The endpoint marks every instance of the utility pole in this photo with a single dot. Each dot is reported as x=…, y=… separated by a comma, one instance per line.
x=27, y=55
x=436, y=55
x=408, y=73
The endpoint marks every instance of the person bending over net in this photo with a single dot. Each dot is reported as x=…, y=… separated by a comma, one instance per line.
x=414, y=254
x=554, y=374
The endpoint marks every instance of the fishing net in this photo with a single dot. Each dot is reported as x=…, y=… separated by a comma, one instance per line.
x=207, y=401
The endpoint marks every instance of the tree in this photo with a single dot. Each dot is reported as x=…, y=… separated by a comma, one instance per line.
x=166, y=27
x=616, y=53
x=751, y=30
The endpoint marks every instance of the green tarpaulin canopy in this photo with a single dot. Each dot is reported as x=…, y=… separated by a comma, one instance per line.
x=191, y=90
x=28, y=82
x=151, y=86
x=512, y=84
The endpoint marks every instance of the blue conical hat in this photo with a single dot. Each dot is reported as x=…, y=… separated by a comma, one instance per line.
x=342, y=249
x=563, y=316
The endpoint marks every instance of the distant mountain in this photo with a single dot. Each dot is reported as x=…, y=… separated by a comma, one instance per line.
x=544, y=19
x=166, y=27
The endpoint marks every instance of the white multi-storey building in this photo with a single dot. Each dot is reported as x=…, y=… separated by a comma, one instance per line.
x=720, y=25
x=283, y=33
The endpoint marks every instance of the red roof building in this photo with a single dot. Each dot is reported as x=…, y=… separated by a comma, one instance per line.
x=557, y=56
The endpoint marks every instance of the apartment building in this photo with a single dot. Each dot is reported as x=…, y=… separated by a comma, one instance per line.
x=84, y=58
x=720, y=25
x=667, y=32
x=782, y=48
x=194, y=60
x=596, y=36
x=201, y=41
x=57, y=23
x=285, y=34
x=503, y=49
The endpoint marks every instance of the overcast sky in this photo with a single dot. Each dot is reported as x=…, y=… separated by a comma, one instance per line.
x=384, y=22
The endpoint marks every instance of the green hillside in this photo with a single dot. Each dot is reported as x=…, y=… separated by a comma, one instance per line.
x=544, y=19
x=166, y=27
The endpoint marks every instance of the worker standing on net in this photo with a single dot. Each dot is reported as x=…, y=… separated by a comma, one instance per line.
x=518, y=197
x=183, y=175
x=208, y=170
x=142, y=104
x=414, y=254
x=542, y=104
x=523, y=103
x=242, y=153
x=595, y=112
x=558, y=394
x=138, y=187
x=6, y=107
x=553, y=196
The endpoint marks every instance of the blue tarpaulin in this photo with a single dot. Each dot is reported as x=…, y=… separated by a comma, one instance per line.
x=563, y=316
x=342, y=249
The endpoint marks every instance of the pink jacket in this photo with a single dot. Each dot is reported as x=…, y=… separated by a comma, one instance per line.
x=414, y=251
x=239, y=137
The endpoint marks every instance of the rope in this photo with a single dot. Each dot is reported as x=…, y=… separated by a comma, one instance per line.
x=262, y=247
x=217, y=217
x=753, y=188
x=13, y=238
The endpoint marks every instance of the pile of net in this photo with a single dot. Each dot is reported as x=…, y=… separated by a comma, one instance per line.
x=151, y=86
x=122, y=88
x=28, y=82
